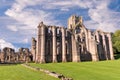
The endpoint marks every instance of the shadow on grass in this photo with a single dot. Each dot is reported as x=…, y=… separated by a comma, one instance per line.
x=9, y=64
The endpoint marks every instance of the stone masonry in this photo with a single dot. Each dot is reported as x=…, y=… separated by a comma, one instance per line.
x=72, y=44
x=8, y=55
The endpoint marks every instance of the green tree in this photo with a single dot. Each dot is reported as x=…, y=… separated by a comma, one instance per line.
x=116, y=41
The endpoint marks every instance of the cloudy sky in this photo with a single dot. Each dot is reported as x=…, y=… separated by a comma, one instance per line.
x=19, y=18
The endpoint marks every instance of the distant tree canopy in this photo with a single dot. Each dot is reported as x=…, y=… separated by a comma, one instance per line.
x=116, y=41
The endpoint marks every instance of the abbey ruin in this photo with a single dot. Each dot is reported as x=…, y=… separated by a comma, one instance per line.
x=8, y=55
x=59, y=44
x=72, y=44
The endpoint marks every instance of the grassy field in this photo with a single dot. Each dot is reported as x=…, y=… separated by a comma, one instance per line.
x=18, y=72
x=103, y=70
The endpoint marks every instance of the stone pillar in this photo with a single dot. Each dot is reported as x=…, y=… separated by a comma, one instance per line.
x=9, y=58
x=110, y=47
x=38, y=47
x=9, y=54
x=89, y=41
x=86, y=40
x=63, y=45
x=54, y=44
x=93, y=47
x=42, y=56
x=75, y=54
x=94, y=51
x=17, y=58
x=98, y=45
x=33, y=49
x=97, y=36
x=104, y=45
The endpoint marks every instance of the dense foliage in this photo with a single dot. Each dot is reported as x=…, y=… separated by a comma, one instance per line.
x=116, y=41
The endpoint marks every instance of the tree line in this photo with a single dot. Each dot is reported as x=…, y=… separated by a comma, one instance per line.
x=116, y=42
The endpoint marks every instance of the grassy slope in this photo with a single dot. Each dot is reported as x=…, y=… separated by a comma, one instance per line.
x=104, y=70
x=18, y=72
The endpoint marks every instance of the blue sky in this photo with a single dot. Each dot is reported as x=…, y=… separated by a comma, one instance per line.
x=19, y=18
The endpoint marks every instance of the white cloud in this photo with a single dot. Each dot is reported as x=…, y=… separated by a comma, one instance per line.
x=4, y=44
x=106, y=19
x=12, y=28
x=97, y=10
x=4, y=3
x=29, y=16
x=64, y=9
x=27, y=19
x=24, y=16
x=25, y=40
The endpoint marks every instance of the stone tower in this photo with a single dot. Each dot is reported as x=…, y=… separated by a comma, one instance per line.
x=74, y=20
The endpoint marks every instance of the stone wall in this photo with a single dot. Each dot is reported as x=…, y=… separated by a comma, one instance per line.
x=8, y=55
x=73, y=44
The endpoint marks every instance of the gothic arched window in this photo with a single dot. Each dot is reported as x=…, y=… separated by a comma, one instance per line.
x=77, y=30
x=78, y=39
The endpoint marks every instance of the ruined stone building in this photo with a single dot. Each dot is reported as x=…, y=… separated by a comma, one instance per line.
x=8, y=55
x=72, y=44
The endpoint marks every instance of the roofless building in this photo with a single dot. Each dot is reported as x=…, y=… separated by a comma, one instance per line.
x=72, y=44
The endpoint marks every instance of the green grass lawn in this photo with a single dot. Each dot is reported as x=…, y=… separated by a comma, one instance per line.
x=18, y=72
x=103, y=70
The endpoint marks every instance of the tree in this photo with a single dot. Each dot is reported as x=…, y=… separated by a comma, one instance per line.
x=116, y=41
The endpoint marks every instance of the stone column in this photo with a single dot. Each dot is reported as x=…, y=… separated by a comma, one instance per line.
x=9, y=58
x=42, y=56
x=38, y=47
x=89, y=41
x=97, y=36
x=17, y=59
x=54, y=44
x=110, y=47
x=94, y=51
x=9, y=53
x=33, y=49
x=98, y=45
x=92, y=47
x=86, y=40
x=75, y=54
x=63, y=45
x=104, y=45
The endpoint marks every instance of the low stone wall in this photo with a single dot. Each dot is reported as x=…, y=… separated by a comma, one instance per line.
x=54, y=74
